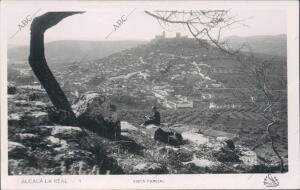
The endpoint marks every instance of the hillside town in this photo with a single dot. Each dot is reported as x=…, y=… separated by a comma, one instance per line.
x=160, y=73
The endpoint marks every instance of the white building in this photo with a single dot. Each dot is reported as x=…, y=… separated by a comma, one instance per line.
x=188, y=104
x=206, y=96
x=175, y=103
x=214, y=85
x=213, y=105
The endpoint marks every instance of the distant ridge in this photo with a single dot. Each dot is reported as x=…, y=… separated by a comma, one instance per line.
x=265, y=44
x=75, y=50
x=259, y=36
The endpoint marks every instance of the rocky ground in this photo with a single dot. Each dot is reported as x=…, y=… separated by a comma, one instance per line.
x=37, y=145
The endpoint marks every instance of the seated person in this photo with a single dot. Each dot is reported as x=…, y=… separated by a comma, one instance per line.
x=114, y=130
x=154, y=119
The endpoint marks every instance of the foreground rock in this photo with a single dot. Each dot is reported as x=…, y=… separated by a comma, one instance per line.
x=23, y=112
x=198, y=154
x=93, y=112
x=224, y=155
x=58, y=150
x=40, y=147
x=168, y=136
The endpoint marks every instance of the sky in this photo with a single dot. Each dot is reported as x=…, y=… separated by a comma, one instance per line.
x=97, y=22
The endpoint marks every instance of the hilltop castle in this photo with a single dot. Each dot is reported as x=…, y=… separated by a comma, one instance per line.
x=163, y=36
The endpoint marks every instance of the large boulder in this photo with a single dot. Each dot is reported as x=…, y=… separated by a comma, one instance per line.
x=93, y=112
x=175, y=139
x=168, y=136
x=91, y=105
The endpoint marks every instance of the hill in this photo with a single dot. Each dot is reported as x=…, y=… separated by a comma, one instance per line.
x=192, y=84
x=164, y=72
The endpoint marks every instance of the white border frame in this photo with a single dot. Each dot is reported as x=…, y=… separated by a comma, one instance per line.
x=191, y=181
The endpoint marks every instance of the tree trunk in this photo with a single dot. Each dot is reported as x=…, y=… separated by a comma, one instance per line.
x=38, y=61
